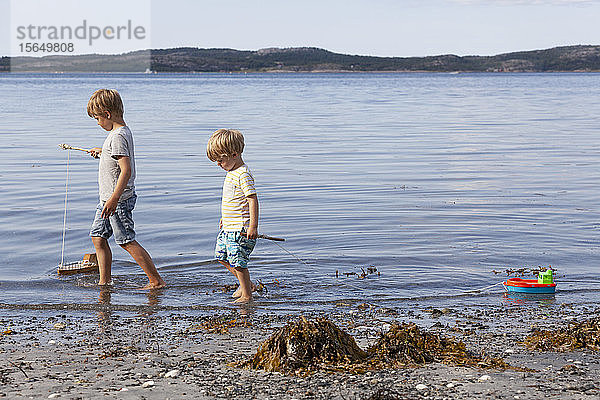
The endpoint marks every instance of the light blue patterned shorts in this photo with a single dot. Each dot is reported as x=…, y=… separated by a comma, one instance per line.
x=234, y=248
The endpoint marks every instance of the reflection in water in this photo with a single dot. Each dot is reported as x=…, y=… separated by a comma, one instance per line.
x=104, y=311
x=146, y=336
x=105, y=308
x=104, y=295
x=145, y=325
x=525, y=299
x=246, y=309
x=154, y=298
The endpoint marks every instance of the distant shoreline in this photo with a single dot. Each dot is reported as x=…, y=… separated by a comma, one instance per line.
x=580, y=58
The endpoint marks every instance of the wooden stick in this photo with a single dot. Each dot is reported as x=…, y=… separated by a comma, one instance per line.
x=68, y=147
x=15, y=365
x=271, y=238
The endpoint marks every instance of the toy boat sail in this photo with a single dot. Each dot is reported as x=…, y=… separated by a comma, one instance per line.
x=544, y=284
x=88, y=264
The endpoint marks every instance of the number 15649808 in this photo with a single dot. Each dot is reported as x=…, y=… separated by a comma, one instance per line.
x=47, y=47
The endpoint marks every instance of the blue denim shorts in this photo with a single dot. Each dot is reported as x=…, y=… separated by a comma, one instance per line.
x=120, y=223
x=234, y=248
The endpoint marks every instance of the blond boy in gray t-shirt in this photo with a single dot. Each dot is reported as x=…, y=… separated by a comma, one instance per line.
x=116, y=177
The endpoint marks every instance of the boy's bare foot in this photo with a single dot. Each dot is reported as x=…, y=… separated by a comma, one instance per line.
x=105, y=284
x=243, y=300
x=238, y=291
x=157, y=285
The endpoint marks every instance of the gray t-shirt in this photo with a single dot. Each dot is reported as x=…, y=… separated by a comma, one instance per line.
x=119, y=142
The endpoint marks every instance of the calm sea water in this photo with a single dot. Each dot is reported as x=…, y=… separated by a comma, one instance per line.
x=435, y=180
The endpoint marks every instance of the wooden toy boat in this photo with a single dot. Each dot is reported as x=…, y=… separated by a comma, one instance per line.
x=88, y=264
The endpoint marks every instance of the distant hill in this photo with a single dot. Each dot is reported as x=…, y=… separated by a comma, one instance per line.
x=310, y=59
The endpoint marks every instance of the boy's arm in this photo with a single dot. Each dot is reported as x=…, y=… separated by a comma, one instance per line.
x=111, y=205
x=253, y=208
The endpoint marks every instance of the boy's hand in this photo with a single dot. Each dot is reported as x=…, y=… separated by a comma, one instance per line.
x=95, y=152
x=252, y=233
x=109, y=208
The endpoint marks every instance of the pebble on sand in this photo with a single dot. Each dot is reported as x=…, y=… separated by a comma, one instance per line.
x=421, y=386
x=172, y=374
x=484, y=378
x=54, y=396
x=148, y=384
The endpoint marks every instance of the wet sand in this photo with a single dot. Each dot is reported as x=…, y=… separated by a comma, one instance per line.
x=156, y=353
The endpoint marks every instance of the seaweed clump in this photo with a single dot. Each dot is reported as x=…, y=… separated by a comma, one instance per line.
x=406, y=344
x=576, y=336
x=304, y=346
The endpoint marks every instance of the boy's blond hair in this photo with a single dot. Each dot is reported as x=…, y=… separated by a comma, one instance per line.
x=103, y=101
x=224, y=142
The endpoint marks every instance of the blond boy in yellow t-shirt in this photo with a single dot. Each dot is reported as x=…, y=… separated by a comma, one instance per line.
x=239, y=209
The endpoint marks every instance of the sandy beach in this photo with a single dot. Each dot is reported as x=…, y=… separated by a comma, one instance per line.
x=154, y=353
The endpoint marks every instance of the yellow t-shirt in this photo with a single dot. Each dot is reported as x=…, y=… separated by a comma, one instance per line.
x=235, y=212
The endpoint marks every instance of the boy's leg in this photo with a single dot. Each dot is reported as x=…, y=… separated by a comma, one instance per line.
x=141, y=256
x=228, y=248
x=221, y=254
x=238, y=291
x=100, y=232
x=104, y=259
x=122, y=225
x=238, y=251
x=229, y=267
x=245, y=285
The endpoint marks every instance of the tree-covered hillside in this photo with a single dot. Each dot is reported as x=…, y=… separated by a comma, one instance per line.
x=310, y=59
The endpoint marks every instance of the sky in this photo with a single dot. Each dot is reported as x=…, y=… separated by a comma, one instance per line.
x=395, y=28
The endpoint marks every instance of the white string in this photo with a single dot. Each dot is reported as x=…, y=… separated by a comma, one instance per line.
x=477, y=290
x=465, y=292
x=62, y=251
x=313, y=267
